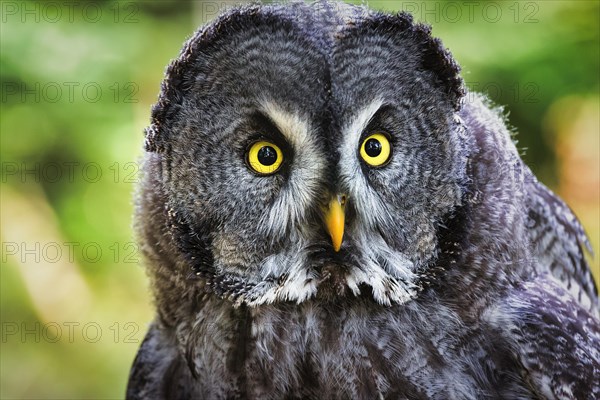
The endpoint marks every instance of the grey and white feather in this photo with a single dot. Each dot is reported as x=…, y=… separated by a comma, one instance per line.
x=325, y=213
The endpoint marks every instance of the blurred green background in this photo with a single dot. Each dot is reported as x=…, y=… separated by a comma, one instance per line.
x=78, y=80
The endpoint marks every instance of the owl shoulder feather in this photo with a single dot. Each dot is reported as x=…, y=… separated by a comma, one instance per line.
x=555, y=339
x=554, y=236
x=159, y=371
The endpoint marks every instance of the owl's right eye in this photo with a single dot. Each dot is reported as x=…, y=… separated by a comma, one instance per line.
x=375, y=150
x=264, y=157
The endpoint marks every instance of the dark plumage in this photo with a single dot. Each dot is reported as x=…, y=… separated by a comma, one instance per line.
x=459, y=275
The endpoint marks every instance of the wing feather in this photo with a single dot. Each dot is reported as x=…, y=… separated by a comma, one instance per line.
x=556, y=340
x=158, y=371
x=560, y=242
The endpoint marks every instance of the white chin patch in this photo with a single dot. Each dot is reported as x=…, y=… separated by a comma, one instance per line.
x=302, y=284
x=386, y=290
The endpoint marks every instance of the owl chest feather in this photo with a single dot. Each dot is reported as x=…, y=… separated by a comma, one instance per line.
x=359, y=350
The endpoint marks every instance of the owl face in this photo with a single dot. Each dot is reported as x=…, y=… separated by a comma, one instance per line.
x=303, y=156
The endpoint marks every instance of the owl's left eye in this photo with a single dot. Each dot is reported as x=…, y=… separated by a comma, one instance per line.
x=375, y=150
x=264, y=157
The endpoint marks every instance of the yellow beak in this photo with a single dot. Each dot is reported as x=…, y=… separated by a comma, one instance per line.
x=334, y=220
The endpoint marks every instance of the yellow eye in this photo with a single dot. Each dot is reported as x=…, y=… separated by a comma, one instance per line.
x=375, y=150
x=265, y=157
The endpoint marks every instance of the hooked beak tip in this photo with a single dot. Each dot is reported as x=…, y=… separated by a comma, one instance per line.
x=334, y=220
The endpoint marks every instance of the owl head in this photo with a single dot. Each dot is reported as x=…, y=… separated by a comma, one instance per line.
x=304, y=150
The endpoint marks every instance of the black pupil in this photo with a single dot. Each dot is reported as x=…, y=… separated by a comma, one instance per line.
x=267, y=155
x=373, y=147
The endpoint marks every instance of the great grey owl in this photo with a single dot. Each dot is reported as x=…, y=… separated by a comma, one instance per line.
x=326, y=214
